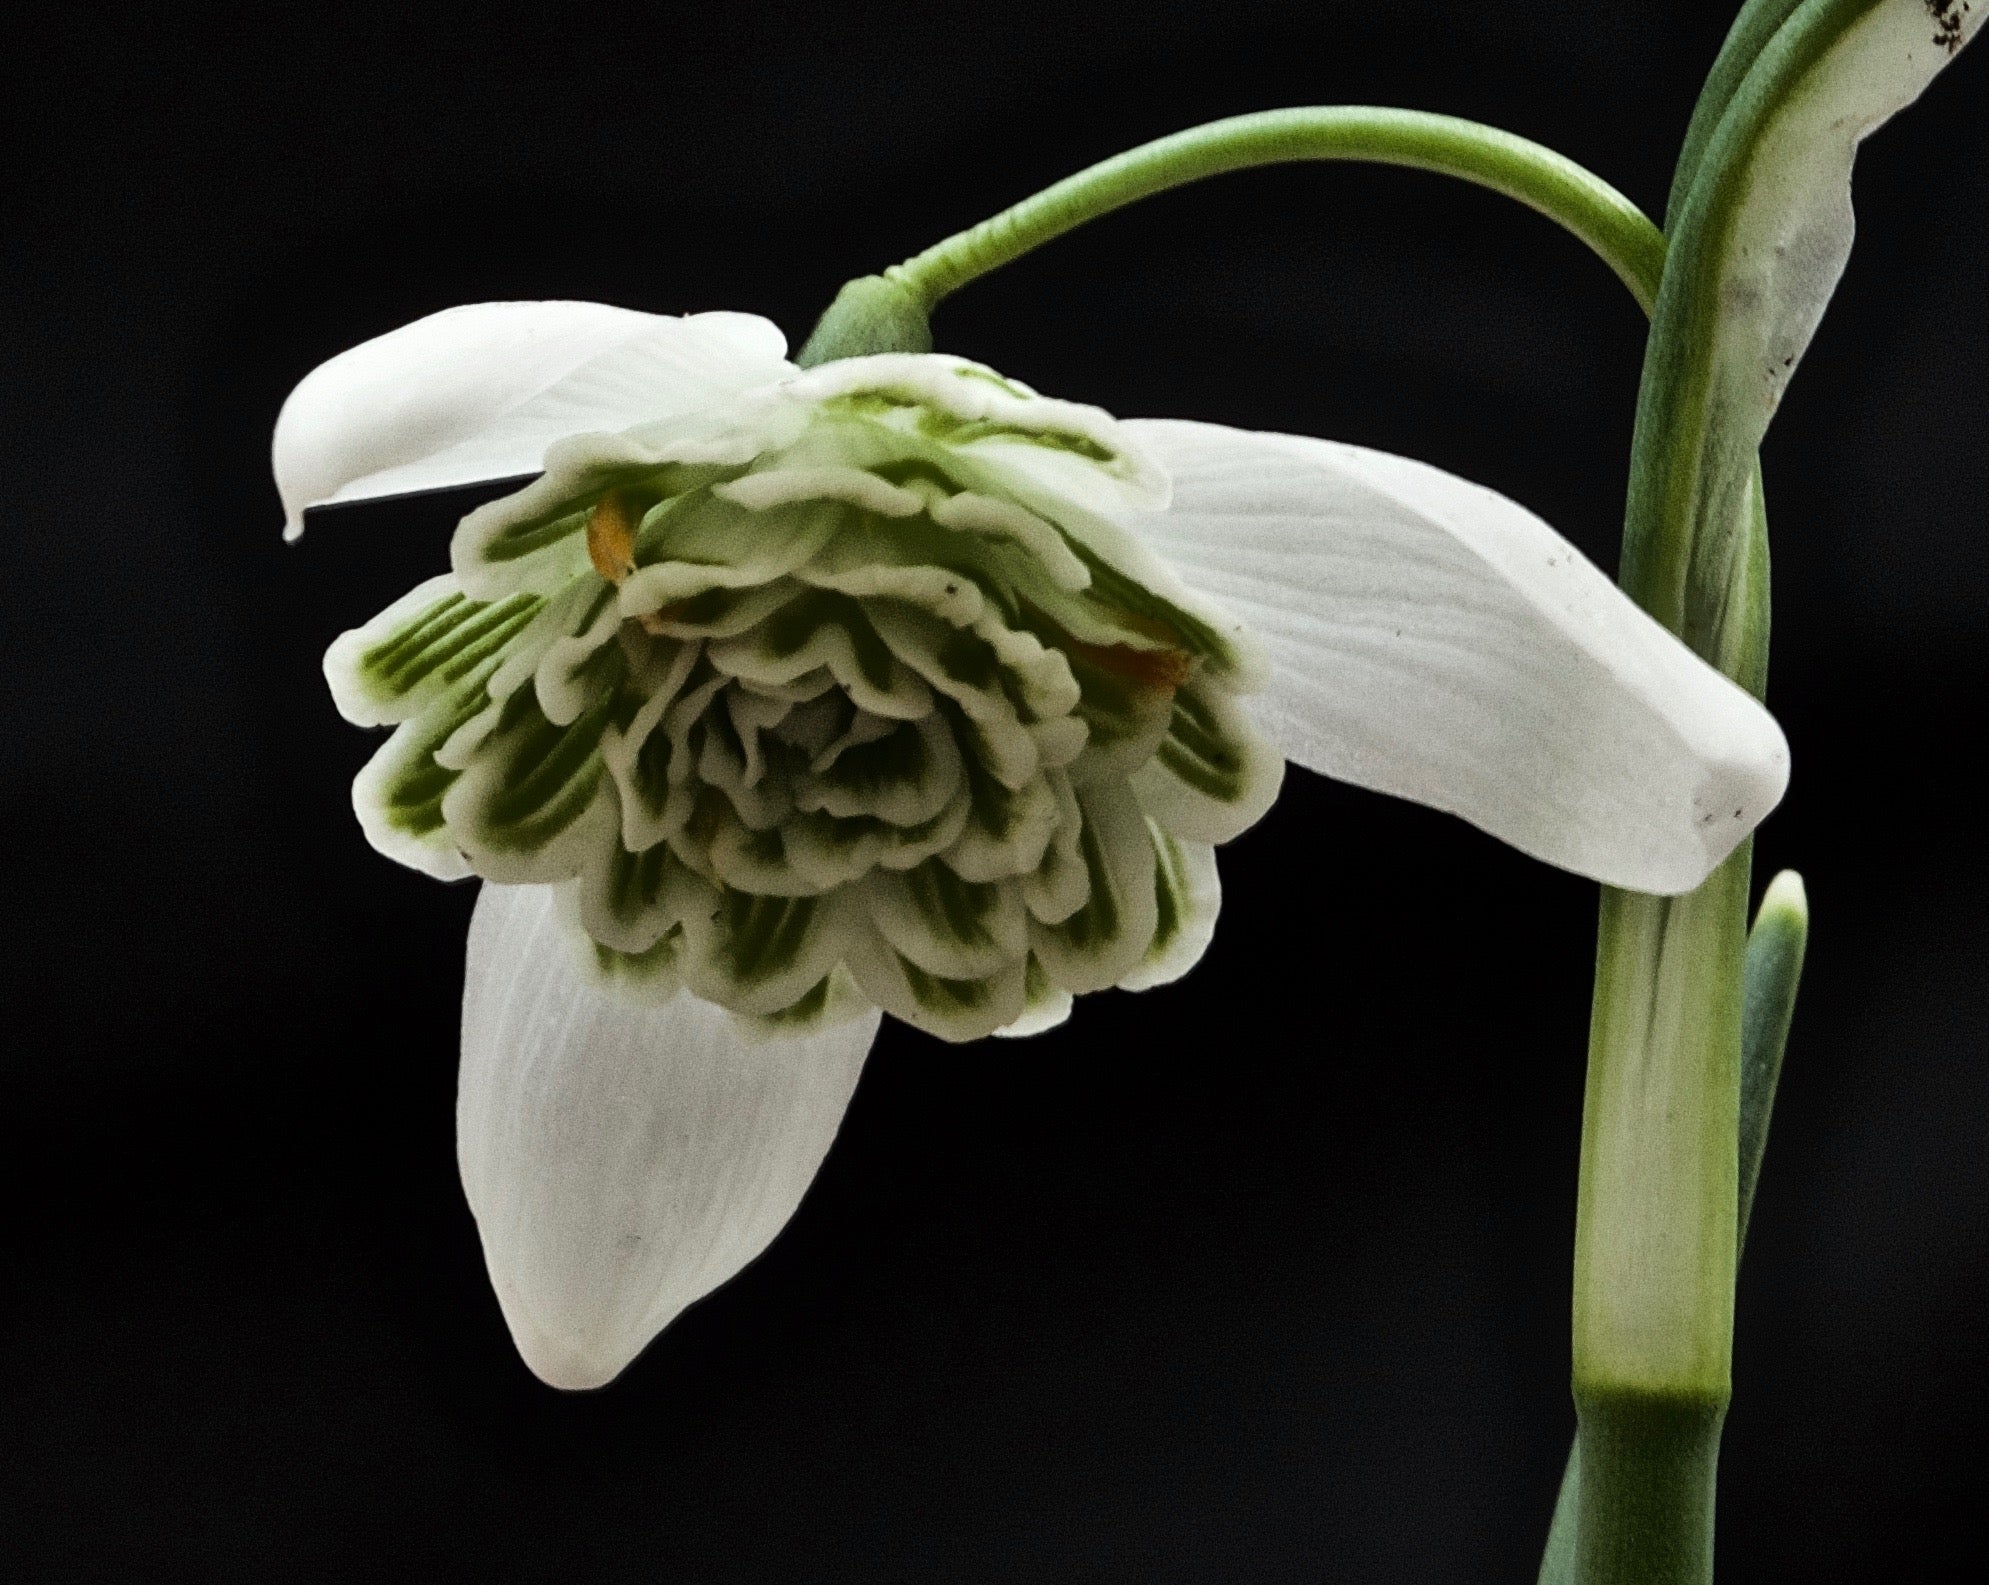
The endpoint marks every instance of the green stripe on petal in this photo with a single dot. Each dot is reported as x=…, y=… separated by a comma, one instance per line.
x=536, y=798
x=1006, y=830
x=1126, y=717
x=758, y=955
x=650, y=976
x=1044, y=1005
x=400, y=793
x=698, y=543
x=955, y=574
x=1187, y=898
x=1127, y=584
x=970, y=512
x=536, y=538
x=1102, y=941
x=830, y=852
x=716, y=613
x=835, y=999
x=1212, y=776
x=421, y=646
x=630, y=901
x=652, y=783
x=962, y=1009
x=1196, y=634
x=819, y=628
x=948, y=926
x=952, y=1009
x=1060, y=883
x=966, y=668
x=764, y=862
x=904, y=777
x=577, y=671
x=518, y=540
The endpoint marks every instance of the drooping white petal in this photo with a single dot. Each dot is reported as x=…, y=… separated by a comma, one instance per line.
x=478, y=392
x=1431, y=639
x=623, y=1160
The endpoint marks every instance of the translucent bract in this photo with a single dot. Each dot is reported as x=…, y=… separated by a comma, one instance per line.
x=848, y=691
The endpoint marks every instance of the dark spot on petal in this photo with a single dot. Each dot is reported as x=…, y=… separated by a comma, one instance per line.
x=1948, y=18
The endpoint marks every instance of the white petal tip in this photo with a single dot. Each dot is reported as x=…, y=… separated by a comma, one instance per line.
x=1736, y=797
x=622, y=1160
x=575, y=1366
x=293, y=528
x=1040, y=1019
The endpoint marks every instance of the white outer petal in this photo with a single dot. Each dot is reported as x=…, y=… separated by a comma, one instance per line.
x=1431, y=639
x=478, y=392
x=623, y=1160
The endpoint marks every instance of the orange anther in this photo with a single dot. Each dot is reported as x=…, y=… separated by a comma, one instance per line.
x=611, y=537
x=1153, y=668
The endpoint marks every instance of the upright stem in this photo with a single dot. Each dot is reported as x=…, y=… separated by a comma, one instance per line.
x=1656, y=1229
x=1772, y=972
x=1656, y=1233
x=1536, y=176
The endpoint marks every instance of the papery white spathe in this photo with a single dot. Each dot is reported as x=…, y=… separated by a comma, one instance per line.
x=1426, y=637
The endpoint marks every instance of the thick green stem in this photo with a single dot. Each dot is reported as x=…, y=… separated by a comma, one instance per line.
x=1772, y=974
x=1538, y=177
x=1760, y=227
x=1656, y=1238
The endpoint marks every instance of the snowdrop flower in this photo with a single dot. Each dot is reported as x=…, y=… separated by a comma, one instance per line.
x=781, y=698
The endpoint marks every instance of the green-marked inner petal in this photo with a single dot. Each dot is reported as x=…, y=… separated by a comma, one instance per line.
x=1211, y=777
x=854, y=709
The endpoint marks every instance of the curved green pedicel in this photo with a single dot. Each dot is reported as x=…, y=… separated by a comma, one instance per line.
x=888, y=312
x=855, y=694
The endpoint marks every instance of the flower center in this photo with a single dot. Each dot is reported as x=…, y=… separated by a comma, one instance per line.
x=852, y=700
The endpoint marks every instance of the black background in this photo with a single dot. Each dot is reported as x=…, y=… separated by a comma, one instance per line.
x=1262, y=1277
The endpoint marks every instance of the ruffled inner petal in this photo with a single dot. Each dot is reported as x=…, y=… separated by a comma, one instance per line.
x=806, y=709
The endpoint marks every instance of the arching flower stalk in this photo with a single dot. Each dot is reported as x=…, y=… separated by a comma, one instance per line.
x=784, y=697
